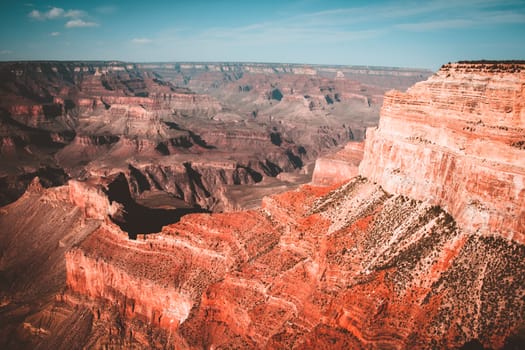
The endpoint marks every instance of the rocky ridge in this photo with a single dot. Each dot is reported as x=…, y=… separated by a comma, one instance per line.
x=340, y=166
x=352, y=267
x=362, y=265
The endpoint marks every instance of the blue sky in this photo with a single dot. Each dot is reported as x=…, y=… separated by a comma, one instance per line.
x=421, y=34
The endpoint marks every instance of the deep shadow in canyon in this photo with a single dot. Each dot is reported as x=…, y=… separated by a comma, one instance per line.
x=135, y=218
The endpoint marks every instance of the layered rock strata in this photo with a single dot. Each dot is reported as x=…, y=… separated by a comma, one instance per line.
x=90, y=119
x=313, y=268
x=356, y=266
x=362, y=265
x=340, y=166
x=457, y=139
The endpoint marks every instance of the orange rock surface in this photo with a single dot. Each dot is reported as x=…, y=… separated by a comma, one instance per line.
x=317, y=267
x=340, y=166
x=374, y=263
x=457, y=139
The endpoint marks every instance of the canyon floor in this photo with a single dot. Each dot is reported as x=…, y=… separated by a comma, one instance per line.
x=124, y=186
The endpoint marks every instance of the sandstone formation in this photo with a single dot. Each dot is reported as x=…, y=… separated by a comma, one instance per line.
x=338, y=167
x=370, y=263
x=457, y=139
x=353, y=266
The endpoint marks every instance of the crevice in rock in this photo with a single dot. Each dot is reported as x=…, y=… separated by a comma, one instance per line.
x=138, y=219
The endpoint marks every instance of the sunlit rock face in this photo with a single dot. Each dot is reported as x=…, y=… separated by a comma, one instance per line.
x=340, y=166
x=363, y=265
x=457, y=140
x=372, y=263
x=354, y=266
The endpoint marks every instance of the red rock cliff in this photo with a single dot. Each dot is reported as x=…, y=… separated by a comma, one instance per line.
x=338, y=167
x=364, y=265
x=350, y=268
x=457, y=139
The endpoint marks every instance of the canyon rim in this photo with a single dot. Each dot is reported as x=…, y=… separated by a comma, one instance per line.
x=410, y=235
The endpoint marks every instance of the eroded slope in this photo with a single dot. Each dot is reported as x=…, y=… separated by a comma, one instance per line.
x=355, y=266
x=369, y=263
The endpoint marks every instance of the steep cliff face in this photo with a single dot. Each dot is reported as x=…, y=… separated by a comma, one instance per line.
x=168, y=272
x=340, y=166
x=373, y=263
x=457, y=139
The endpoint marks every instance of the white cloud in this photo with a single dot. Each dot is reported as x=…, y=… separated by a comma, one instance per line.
x=56, y=13
x=54, y=33
x=5, y=52
x=74, y=17
x=53, y=13
x=74, y=13
x=80, y=23
x=141, y=40
x=35, y=14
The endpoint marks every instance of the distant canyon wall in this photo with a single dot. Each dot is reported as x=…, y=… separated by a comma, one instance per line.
x=374, y=263
x=337, y=71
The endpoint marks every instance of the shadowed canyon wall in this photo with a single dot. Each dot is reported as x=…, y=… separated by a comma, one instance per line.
x=384, y=260
x=251, y=122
